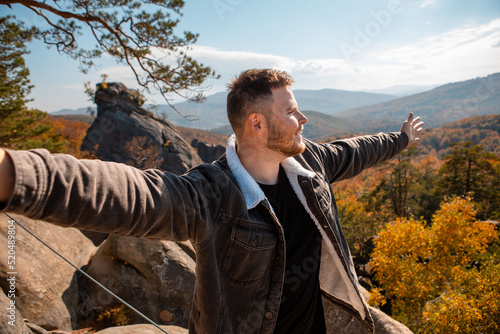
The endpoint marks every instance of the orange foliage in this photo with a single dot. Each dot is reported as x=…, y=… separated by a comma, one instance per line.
x=71, y=132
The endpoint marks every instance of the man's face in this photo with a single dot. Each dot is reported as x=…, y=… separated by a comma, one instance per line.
x=285, y=124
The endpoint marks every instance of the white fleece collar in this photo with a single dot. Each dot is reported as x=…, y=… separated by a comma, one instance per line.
x=251, y=190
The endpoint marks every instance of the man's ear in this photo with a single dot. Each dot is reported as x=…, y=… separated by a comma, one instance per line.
x=255, y=123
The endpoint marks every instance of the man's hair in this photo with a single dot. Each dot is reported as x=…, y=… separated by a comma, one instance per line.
x=251, y=92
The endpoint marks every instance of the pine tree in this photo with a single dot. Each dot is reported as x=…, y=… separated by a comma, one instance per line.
x=19, y=126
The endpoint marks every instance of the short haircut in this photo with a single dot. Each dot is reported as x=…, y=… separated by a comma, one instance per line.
x=251, y=92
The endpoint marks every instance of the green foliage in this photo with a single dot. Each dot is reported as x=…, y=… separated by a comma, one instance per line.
x=407, y=187
x=20, y=127
x=416, y=264
x=132, y=32
x=471, y=170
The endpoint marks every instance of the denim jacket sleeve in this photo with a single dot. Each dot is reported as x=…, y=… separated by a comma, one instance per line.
x=343, y=159
x=114, y=198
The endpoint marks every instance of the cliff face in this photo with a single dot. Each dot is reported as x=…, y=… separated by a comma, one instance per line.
x=120, y=119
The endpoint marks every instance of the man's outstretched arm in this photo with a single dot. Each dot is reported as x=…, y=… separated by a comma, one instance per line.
x=346, y=158
x=7, y=176
x=109, y=197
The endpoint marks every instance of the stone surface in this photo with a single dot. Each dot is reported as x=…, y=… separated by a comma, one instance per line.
x=120, y=118
x=208, y=153
x=11, y=321
x=339, y=321
x=143, y=329
x=46, y=291
x=156, y=277
x=386, y=325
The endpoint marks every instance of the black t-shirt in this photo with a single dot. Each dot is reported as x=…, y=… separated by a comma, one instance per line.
x=301, y=309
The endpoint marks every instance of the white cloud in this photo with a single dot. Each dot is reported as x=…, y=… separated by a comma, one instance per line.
x=456, y=55
x=428, y=3
x=462, y=53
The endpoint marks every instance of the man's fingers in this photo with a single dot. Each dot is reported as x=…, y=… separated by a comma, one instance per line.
x=410, y=117
x=414, y=121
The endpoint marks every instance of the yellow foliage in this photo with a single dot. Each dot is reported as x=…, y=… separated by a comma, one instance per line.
x=415, y=263
x=114, y=316
x=471, y=305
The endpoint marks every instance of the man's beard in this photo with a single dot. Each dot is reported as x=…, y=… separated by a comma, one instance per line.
x=284, y=143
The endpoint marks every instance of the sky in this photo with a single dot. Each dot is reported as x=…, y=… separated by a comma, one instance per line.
x=351, y=45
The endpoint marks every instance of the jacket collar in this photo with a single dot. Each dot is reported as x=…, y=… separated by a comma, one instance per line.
x=251, y=191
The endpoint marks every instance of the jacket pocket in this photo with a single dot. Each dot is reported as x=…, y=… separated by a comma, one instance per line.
x=249, y=254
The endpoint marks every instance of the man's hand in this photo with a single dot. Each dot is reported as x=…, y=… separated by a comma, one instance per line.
x=7, y=176
x=412, y=127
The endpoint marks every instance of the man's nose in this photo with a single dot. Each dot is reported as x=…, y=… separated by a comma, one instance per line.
x=302, y=118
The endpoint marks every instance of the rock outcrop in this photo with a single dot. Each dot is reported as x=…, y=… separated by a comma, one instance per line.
x=156, y=277
x=339, y=321
x=143, y=329
x=46, y=291
x=11, y=321
x=208, y=153
x=120, y=118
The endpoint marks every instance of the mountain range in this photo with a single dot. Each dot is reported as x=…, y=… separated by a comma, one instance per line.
x=337, y=112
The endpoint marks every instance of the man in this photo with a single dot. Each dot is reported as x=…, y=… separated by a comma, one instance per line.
x=263, y=219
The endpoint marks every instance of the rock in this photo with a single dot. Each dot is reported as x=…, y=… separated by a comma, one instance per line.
x=386, y=325
x=208, y=153
x=46, y=291
x=156, y=277
x=339, y=321
x=143, y=329
x=11, y=321
x=37, y=329
x=120, y=119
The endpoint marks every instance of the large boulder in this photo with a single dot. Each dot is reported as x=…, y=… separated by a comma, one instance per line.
x=339, y=321
x=120, y=119
x=46, y=291
x=208, y=153
x=11, y=321
x=156, y=277
x=143, y=329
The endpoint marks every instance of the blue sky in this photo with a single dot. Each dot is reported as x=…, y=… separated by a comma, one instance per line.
x=351, y=45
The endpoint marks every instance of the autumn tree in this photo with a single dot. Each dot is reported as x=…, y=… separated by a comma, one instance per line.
x=416, y=264
x=20, y=126
x=143, y=154
x=71, y=133
x=138, y=34
x=470, y=306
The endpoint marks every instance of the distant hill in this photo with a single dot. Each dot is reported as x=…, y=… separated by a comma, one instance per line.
x=212, y=113
x=483, y=130
x=480, y=130
x=77, y=117
x=208, y=137
x=332, y=101
x=440, y=106
x=318, y=126
x=402, y=90
x=437, y=107
x=79, y=111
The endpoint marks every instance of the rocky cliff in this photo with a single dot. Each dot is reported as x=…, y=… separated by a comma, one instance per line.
x=121, y=119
